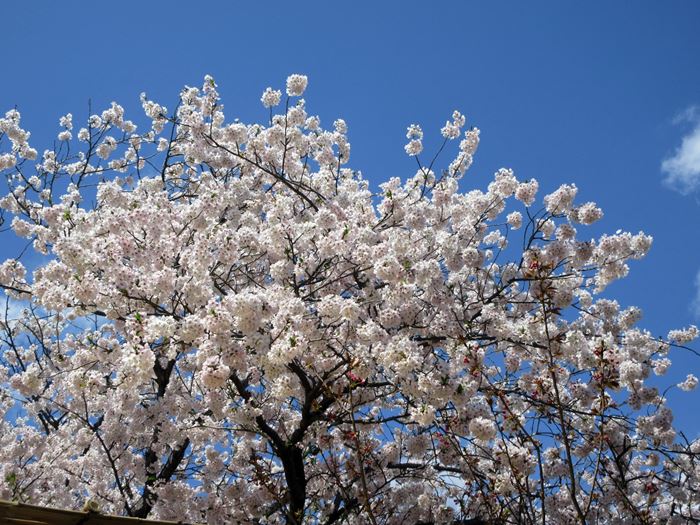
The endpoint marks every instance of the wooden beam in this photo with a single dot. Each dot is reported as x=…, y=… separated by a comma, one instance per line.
x=13, y=513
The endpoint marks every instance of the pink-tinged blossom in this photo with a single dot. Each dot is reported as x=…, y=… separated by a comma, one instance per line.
x=271, y=97
x=685, y=335
x=587, y=214
x=296, y=84
x=482, y=428
x=526, y=192
x=561, y=200
x=7, y=160
x=515, y=219
x=452, y=129
x=415, y=142
x=214, y=373
x=66, y=121
x=414, y=147
x=690, y=383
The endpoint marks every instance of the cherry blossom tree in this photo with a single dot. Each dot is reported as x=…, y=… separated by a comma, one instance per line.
x=227, y=325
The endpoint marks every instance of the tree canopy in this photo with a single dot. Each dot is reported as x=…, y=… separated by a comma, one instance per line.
x=227, y=324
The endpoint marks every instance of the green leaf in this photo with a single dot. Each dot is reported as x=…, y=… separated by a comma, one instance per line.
x=11, y=479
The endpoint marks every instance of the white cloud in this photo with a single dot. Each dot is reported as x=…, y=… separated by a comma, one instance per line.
x=12, y=307
x=695, y=305
x=682, y=169
x=690, y=114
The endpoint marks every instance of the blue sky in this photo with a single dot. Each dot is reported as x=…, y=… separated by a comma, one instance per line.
x=601, y=94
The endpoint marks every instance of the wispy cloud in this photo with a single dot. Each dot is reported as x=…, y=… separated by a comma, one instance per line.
x=695, y=305
x=12, y=308
x=682, y=169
